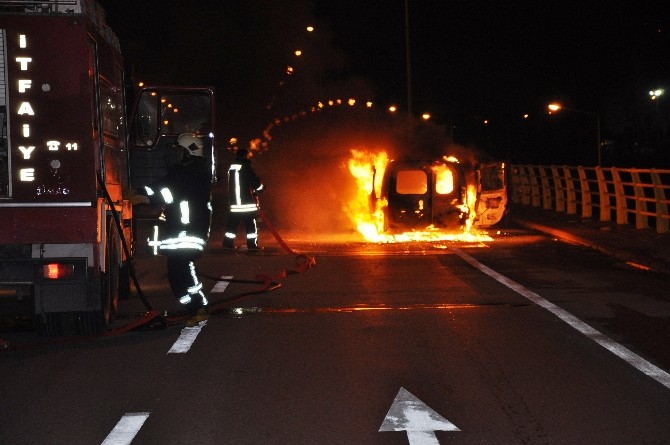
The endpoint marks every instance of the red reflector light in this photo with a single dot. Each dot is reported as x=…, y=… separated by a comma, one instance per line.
x=56, y=271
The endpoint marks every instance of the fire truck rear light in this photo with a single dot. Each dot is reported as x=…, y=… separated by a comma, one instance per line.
x=57, y=271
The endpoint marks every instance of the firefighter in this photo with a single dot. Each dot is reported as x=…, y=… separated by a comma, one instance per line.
x=185, y=194
x=244, y=185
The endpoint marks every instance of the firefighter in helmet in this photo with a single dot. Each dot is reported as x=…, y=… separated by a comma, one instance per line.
x=244, y=185
x=185, y=194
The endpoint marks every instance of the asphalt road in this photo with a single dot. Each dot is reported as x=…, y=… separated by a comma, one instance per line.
x=519, y=340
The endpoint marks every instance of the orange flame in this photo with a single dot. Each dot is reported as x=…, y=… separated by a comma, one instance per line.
x=367, y=211
x=364, y=210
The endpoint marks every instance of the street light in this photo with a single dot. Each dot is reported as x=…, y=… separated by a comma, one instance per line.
x=558, y=107
x=655, y=96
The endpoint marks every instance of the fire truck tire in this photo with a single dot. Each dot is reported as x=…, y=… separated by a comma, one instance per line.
x=124, y=281
x=110, y=279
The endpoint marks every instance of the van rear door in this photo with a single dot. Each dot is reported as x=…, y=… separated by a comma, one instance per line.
x=491, y=203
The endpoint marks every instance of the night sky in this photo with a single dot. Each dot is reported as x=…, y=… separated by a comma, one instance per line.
x=470, y=61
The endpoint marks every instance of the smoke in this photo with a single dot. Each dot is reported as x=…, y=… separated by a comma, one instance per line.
x=305, y=165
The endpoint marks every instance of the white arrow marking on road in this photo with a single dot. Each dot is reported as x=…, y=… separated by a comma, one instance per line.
x=407, y=413
x=124, y=432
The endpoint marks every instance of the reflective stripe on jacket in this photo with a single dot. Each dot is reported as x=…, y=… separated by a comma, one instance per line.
x=185, y=194
x=242, y=184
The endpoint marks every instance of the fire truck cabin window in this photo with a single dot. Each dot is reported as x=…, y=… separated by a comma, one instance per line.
x=145, y=126
x=185, y=113
x=411, y=182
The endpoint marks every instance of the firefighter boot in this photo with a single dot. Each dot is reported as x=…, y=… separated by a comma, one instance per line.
x=252, y=245
x=200, y=315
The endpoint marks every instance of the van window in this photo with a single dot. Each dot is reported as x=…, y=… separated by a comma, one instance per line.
x=411, y=182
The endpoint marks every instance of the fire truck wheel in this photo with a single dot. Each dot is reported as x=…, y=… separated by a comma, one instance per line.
x=110, y=279
x=124, y=281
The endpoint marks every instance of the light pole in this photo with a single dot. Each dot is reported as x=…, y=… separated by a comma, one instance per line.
x=407, y=61
x=557, y=107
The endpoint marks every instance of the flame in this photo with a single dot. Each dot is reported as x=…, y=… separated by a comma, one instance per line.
x=367, y=211
x=444, y=182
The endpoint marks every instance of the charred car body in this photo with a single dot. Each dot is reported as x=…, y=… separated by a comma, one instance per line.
x=417, y=194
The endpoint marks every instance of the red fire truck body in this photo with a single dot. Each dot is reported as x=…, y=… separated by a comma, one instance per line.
x=63, y=103
x=64, y=163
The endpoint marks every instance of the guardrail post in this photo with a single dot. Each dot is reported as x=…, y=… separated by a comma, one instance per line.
x=559, y=190
x=521, y=185
x=546, y=191
x=662, y=217
x=641, y=218
x=534, y=187
x=605, y=206
x=620, y=197
x=587, y=206
x=571, y=195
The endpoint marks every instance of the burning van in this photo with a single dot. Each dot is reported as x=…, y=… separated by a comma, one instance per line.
x=421, y=194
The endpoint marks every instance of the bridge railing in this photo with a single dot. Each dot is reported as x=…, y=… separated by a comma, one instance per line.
x=625, y=195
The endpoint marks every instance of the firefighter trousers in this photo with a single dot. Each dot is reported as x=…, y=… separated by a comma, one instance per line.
x=183, y=279
x=250, y=227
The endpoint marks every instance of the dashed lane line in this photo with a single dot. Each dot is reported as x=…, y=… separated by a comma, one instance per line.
x=125, y=430
x=189, y=334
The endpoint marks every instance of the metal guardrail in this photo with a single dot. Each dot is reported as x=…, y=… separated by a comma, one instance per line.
x=625, y=195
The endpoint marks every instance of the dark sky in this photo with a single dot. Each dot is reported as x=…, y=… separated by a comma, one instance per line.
x=483, y=55
x=470, y=59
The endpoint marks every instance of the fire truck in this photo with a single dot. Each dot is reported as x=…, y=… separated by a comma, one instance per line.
x=68, y=149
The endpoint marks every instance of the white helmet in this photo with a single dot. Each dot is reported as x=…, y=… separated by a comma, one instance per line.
x=192, y=142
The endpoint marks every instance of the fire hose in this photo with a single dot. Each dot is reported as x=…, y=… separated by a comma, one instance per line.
x=152, y=319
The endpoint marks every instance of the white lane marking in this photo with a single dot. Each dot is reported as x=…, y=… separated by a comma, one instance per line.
x=189, y=334
x=124, y=432
x=408, y=413
x=186, y=339
x=615, y=348
x=221, y=286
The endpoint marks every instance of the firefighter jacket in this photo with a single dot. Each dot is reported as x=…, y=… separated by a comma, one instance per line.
x=185, y=193
x=243, y=185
